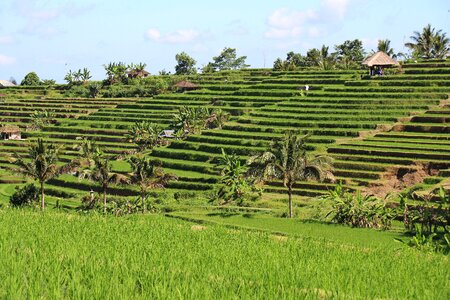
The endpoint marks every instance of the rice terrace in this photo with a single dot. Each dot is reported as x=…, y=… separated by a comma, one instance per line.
x=285, y=151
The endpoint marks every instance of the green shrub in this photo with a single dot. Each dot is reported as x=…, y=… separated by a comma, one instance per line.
x=77, y=91
x=358, y=210
x=26, y=195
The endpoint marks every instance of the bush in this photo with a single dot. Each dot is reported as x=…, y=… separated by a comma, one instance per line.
x=31, y=79
x=26, y=195
x=77, y=91
x=358, y=210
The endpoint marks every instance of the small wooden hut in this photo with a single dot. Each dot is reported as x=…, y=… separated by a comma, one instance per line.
x=183, y=86
x=378, y=62
x=10, y=132
x=138, y=74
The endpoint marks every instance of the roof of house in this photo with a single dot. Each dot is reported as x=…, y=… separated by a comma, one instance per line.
x=186, y=84
x=380, y=59
x=9, y=129
x=6, y=83
x=168, y=133
x=141, y=73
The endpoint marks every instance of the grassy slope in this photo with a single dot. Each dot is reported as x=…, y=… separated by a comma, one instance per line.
x=56, y=255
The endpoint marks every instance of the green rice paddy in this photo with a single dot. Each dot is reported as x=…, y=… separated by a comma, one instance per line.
x=58, y=255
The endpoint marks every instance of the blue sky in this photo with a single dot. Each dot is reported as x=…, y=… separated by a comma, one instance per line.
x=52, y=36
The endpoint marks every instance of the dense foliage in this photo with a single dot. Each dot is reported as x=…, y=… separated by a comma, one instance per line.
x=31, y=79
x=185, y=64
x=430, y=43
x=26, y=195
x=226, y=60
x=358, y=210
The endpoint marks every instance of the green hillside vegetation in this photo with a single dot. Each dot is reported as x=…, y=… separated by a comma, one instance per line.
x=262, y=105
x=311, y=179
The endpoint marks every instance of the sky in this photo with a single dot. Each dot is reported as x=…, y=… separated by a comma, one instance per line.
x=51, y=37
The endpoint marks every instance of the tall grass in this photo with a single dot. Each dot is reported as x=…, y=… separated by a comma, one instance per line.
x=52, y=255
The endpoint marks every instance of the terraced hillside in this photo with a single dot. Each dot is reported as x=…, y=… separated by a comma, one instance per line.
x=264, y=104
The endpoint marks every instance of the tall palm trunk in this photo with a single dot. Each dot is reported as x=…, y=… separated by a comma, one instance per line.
x=143, y=200
x=290, y=200
x=104, y=198
x=42, y=196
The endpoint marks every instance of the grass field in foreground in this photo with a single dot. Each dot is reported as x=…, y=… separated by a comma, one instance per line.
x=53, y=255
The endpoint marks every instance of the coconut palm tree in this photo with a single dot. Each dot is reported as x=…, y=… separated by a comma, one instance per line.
x=321, y=58
x=430, y=43
x=116, y=72
x=41, y=164
x=69, y=77
x=441, y=46
x=100, y=170
x=85, y=75
x=385, y=46
x=148, y=174
x=77, y=76
x=288, y=159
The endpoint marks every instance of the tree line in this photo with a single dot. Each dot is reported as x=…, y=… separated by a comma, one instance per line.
x=430, y=43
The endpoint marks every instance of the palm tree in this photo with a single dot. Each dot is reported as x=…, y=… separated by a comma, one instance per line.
x=116, y=72
x=77, y=76
x=385, y=46
x=429, y=43
x=441, y=46
x=97, y=167
x=101, y=171
x=288, y=159
x=85, y=75
x=148, y=174
x=41, y=166
x=88, y=150
x=321, y=58
x=69, y=77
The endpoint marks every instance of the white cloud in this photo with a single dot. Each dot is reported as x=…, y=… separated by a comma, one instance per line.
x=39, y=15
x=176, y=37
x=290, y=23
x=6, y=39
x=286, y=18
x=6, y=60
x=338, y=8
x=182, y=36
x=153, y=34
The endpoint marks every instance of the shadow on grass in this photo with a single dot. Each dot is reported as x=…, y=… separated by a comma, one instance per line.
x=222, y=214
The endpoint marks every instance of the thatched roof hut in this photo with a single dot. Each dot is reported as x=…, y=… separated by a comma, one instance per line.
x=380, y=59
x=138, y=74
x=9, y=129
x=186, y=86
x=10, y=132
